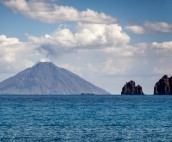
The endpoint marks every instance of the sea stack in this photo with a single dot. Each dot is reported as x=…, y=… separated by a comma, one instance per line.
x=163, y=86
x=130, y=88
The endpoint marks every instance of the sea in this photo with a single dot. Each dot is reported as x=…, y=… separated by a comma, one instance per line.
x=111, y=118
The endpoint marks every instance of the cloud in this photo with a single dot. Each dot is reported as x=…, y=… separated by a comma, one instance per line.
x=150, y=27
x=135, y=29
x=51, y=13
x=14, y=55
x=127, y=50
x=85, y=36
x=163, y=27
x=165, y=45
x=4, y=41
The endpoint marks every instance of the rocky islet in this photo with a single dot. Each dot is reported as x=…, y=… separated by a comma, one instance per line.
x=163, y=86
x=130, y=88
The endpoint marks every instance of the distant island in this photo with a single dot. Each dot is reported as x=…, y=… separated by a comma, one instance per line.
x=130, y=88
x=46, y=78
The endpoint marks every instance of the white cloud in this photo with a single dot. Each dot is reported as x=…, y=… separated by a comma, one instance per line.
x=163, y=27
x=8, y=41
x=150, y=27
x=165, y=45
x=14, y=55
x=127, y=50
x=86, y=36
x=135, y=29
x=51, y=13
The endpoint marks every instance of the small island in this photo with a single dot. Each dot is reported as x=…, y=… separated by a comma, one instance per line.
x=131, y=89
x=163, y=86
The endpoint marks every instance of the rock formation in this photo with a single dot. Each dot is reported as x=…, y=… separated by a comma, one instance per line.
x=163, y=86
x=131, y=89
x=170, y=81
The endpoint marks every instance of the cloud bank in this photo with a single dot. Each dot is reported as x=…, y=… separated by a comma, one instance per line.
x=164, y=45
x=85, y=36
x=150, y=27
x=15, y=55
x=51, y=13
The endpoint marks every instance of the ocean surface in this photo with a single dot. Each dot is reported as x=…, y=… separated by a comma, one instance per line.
x=85, y=118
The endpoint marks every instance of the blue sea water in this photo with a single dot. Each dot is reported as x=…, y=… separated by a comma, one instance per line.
x=85, y=118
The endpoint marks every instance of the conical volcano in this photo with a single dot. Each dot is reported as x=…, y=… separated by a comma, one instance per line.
x=47, y=78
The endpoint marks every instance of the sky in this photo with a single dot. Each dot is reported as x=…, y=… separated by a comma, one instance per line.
x=105, y=42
